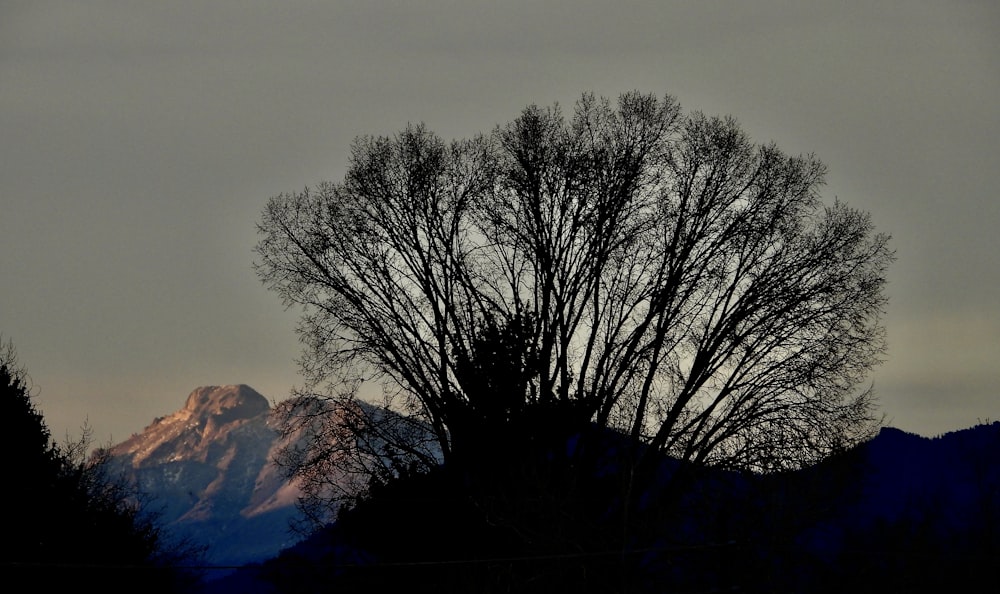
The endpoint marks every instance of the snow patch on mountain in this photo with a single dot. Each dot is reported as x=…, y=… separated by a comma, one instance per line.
x=210, y=466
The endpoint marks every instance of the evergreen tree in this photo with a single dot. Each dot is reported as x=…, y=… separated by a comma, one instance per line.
x=70, y=519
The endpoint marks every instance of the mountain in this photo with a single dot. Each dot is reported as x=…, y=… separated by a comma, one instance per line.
x=898, y=513
x=210, y=466
x=941, y=492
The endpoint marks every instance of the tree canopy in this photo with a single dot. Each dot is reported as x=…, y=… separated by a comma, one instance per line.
x=630, y=264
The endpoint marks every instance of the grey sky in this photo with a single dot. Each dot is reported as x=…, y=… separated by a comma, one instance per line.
x=140, y=140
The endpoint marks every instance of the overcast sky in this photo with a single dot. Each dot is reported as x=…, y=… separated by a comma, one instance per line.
x=139, y=141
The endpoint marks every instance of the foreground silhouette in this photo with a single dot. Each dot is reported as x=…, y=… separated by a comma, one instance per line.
x=650, y=270
x=899, y=513
x=69, y=522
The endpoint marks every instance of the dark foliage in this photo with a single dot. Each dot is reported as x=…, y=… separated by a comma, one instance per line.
x=551, y=516
x=69, y=519
x=897, y=514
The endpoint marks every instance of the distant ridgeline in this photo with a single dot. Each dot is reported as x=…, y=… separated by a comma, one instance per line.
x=898, y=512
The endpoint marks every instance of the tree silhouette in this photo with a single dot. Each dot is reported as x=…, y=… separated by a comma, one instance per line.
x=652, y=271
x=69, y=517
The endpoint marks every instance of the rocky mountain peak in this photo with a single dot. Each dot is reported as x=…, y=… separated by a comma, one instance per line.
x=233, y=402
x=211, y=422
x=210, y=466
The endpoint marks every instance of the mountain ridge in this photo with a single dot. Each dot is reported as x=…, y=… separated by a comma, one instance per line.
x=210, y=464
x=211, y=467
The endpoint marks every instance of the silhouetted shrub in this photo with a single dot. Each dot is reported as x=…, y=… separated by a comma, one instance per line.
x=69, y=519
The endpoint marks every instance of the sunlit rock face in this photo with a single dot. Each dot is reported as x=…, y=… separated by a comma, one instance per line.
x=209, y=466
x=210, y=414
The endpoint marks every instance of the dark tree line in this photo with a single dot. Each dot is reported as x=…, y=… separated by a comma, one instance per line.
x=70, y=520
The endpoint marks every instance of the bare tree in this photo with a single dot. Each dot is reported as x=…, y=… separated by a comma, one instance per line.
x=337, y=448
x=632, y=265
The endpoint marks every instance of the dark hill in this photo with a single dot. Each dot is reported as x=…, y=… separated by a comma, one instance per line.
x=900, y=513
